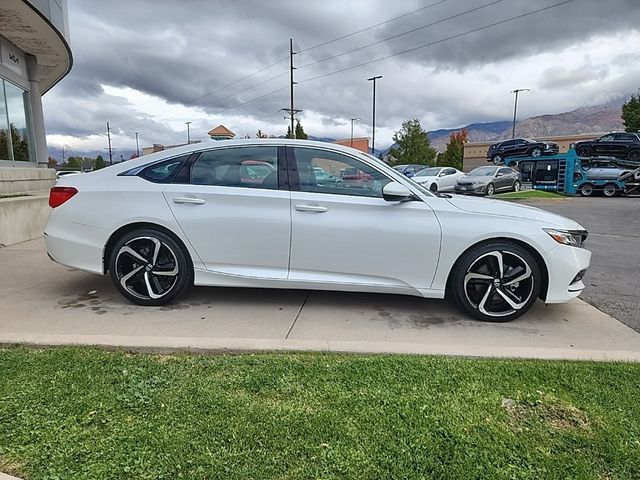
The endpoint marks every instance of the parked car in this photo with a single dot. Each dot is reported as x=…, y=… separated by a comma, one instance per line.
x=520, y=147
x=489, y=180
x=322, y=176
x=438, y=179
x=157, y=236
x=625, y=145
x=409, y=170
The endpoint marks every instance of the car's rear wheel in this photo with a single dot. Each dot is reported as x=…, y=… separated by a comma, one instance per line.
x=150, y=267
x=634, y=155
x=536, y=151
x=586, y=190
x=516, y=186
x=491, y=189
x=497, y=159
x=610, y=190
x=496, y=282
x=583, y=151
x=434, y=187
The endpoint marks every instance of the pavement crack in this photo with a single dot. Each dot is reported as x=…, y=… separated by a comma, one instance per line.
x=297, y=315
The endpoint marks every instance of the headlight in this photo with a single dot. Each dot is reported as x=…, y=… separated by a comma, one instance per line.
x=573, y=238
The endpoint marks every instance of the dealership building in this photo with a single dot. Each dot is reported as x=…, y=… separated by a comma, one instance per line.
x=34, y=56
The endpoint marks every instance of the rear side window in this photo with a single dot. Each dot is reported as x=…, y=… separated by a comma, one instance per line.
x=163, y=172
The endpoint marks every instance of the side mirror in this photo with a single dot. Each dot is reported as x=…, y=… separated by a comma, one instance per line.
x=396, y=192
x=499, y=174
x=442, y=174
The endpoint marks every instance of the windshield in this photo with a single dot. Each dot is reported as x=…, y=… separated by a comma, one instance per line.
x=428, y=172
x=482, y=172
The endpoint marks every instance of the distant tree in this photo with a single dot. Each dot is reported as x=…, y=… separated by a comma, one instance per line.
x=452, y=156
x=412, y=145
x=52, y=162
x=260, y=134
x=20, y=145
x=100, y=163
x=4, y=145
x=289, y=134
x=631, y=114
x=300, y=134
x=72, y=163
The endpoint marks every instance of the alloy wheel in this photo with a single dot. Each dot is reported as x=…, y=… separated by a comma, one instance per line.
x=609, y=190
x=490, y=189
x=586, y=190
x=497, y=159
x=536, y=152
x=516, y=186
x=499, y=283
x=147, y=268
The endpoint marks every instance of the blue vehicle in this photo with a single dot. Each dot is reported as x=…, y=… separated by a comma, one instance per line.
x=569, y=174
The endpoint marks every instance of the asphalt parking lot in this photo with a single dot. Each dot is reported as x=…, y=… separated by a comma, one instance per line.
x=613, y=280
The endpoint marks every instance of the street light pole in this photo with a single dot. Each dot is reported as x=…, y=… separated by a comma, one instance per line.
x=373, y=135
x=188, y=133
x=137, y=145
x=352, y=120
x=515, y=108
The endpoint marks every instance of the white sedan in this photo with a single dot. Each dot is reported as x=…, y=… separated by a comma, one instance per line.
x=438, y=179
x=252, y=213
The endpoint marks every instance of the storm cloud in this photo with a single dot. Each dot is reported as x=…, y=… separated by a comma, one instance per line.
x=190, y=55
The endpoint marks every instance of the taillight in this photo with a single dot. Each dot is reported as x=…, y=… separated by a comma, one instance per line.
x=59, y=195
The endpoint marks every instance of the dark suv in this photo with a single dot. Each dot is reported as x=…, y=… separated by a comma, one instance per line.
x=619, y=145
x=519, y=147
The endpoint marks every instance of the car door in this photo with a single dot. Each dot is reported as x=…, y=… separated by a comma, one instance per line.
x=507, y=148
x=520, y=147
x=233, y=205
x=621, y=142
x=347, y=234
x=604, y=145
x=503, y=179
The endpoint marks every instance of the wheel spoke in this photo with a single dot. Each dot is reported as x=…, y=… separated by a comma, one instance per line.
x=527, y=273
x=487, y=294
x=156, y=250
x=128, y=276
x=500, y=260
x=150, y=291
x=506, y=298
x=166, y=273
x=477, y=276
x=130, y=251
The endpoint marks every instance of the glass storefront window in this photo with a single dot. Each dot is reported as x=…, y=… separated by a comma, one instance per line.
x=5, y=151
x=17, y=108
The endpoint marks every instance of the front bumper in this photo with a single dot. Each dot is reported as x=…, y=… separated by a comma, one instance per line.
x=564, y=263
x=470, y=189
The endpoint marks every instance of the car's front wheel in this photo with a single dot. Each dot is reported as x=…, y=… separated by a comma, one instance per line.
x=496, y=281
x=149, y=267
x=583, y=151
x=586, y=190
x=634, y=155
x=434, y=187
x=491, y=189
x=536, y=151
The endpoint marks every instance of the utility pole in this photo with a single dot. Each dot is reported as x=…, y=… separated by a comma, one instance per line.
x=110, y=150
x=63, y=154
x=291, y=111
x=515, y=108
x=352, y=120
x=137, y=145
x=188, y=133
x=373, y=136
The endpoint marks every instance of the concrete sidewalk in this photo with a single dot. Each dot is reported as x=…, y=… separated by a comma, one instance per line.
x=45, y=303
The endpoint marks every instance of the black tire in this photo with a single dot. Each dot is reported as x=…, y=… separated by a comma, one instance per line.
x=536, y=152
x=583, y=151
x=480, y=297
x=434, y=187
x=586, y=190
x=497, y=159
x=634, y=155
x=155, y=283
x=491, y=189
x=516, y=186
x=610, y=190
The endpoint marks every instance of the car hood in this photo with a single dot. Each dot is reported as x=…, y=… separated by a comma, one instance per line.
x=422, y=179
x=469, y=179
x=507, y=209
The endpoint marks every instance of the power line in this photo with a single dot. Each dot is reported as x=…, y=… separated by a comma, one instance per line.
x=371, y=27
x=468, y=32
x=413, y=30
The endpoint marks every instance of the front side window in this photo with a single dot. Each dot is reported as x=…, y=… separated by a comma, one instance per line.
x=606, y=138
x=505, y=171
x=322, y=171
x=252, y=167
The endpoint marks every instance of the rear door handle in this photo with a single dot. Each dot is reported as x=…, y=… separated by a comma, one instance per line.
x=192, y=200
x=311, y=208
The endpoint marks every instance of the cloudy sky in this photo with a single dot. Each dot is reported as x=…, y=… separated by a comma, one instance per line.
x=148, y=66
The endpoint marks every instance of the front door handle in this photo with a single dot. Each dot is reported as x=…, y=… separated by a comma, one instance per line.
x=311, y=208
x=192, y=200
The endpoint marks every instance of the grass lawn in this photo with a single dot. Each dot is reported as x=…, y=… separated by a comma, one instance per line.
x=85, y=414
x=529, y=195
